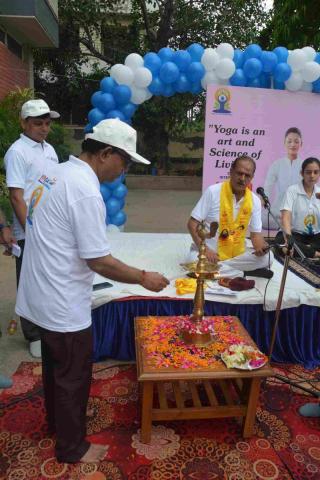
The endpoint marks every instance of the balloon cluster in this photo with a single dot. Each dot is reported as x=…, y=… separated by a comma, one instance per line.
x=168, y=72
x=113, y=194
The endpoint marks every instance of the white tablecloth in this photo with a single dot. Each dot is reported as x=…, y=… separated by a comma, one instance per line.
x=164, y=253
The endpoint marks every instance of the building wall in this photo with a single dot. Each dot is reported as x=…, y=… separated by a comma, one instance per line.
x=13, y=71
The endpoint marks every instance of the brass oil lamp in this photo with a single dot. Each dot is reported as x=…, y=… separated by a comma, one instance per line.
x=203, y=271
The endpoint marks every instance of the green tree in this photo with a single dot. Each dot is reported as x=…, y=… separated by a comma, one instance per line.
x=294, y=24
x=149, y=25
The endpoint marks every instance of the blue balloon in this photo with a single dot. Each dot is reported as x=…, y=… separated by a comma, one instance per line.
x=169, y=72
x=122, y=203
x=156, y=86
x=120, y=191
x=317, y=57
x=165, y=54
x=95, y=116
x=196, y=87
x=95, y=98
x=113, y=206
x=196, y=51
x=115, y=182
x=182, y=85
x=116, y=114
x=106, y=102
x=168, y=90
x=88, y=128
x=107, y=84
x=105, y=191
x=252, y=68
x=316, y=86
x=128, y=110
x=282, y=72
x=182, y=59
x=128, y=121
x=269, y=60
x=265, y=80
x=252, y=51
x=195, y=71
x=119, y=218
x=152, y=61
x=238, y=79
x=278, y=85
x=238, y=58
x=254, y=83
x=282, y=53
x=122, y=94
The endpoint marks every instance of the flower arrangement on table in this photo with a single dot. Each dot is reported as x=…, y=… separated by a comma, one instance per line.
x=244, y=357
x=164, y=347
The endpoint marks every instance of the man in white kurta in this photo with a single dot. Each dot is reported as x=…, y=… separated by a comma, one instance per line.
x=208, y=210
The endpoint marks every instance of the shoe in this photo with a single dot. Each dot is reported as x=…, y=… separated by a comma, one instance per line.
x=259, y=272
x=5, y=382
x=310, y=410
x=35, y=348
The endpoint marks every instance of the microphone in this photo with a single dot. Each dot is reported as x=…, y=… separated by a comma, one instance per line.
x=260, y=191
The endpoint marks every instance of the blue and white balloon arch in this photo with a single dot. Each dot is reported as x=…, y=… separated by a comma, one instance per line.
x=190, y=71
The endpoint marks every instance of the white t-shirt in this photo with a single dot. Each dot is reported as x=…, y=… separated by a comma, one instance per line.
x=25, y=161
x=305, y=211
x=65, y=225
x=208, y=209
x=281, y=174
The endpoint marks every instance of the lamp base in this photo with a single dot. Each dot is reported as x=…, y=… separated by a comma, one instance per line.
x=201, y=339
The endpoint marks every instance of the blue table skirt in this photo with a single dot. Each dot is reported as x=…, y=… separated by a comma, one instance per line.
x=297, y=341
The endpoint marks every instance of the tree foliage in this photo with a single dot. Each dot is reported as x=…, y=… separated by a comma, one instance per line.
x=294, y=24
x=141, y=26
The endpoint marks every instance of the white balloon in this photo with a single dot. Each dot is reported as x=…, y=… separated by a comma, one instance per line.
x=123, y=75
x=209, y=59
x=225, y=68
x=148, y=94
x=294, y=83
x=114, y=68
x=297, y=59
x=208, y=79
x=142, y=77
x=306, y=87
x=139, y=95
x=134, y=61
x=310, y=53
x=311, y=72
x=112, y=228
x=225, y=50
x=223, y=81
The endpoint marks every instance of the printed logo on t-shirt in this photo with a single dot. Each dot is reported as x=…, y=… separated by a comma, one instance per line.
x=47, y=182
x=310, y=222
x=35, y=198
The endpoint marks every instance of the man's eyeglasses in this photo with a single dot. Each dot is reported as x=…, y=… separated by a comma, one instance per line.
x=124, y=157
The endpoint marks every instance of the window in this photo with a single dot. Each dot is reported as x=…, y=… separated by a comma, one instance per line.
x=14, y=46
x=2, y=36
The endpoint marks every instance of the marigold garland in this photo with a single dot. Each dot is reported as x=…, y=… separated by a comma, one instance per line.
x=163, y=346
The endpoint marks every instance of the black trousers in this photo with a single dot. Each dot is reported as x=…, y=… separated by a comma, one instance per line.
x=66, y=375
x=30, y=331
x=309, y=244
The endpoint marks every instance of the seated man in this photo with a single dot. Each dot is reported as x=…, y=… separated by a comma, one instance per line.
x=236, y=209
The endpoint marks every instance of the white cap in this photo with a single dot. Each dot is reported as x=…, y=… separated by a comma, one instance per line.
x=36, y=108
x=118, y=134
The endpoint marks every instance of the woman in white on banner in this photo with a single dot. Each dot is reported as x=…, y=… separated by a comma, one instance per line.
x=281, y=174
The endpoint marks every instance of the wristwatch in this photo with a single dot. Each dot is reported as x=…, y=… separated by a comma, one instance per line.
x=2, y=226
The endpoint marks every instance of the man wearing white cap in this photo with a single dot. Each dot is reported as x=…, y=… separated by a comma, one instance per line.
x=66, y=243
x=25, y=159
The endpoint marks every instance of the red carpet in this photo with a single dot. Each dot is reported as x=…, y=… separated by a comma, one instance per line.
x=285, y=445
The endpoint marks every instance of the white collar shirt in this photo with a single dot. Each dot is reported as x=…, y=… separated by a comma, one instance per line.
x=305, y=211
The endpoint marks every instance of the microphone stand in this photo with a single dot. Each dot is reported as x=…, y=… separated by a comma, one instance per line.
x=291, y=244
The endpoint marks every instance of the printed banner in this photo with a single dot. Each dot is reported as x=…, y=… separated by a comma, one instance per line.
x=254, y=122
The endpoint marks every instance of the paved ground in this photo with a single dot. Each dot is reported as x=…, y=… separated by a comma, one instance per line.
x=148, y=211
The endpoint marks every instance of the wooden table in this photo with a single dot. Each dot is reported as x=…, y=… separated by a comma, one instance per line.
x=214, y=392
